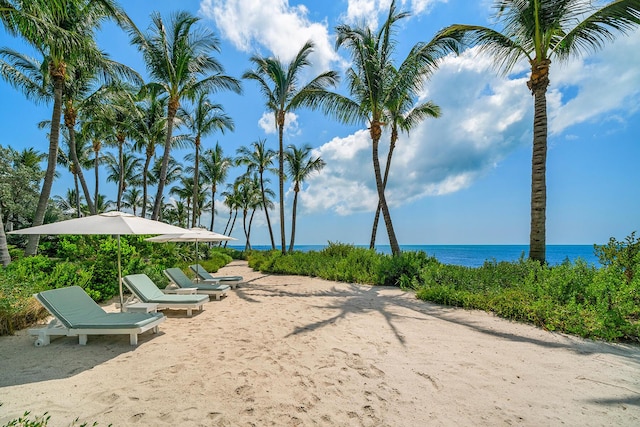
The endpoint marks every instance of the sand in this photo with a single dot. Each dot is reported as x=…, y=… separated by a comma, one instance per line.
x=298, y=351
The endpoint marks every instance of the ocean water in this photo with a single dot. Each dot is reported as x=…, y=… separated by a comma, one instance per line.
x=476, y=255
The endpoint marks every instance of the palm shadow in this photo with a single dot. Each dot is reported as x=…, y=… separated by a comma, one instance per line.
x=363, y=299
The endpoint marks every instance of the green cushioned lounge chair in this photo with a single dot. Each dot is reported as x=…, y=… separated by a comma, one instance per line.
x=181, y=280
x=76, y=314
x=146, y=291
x=206, y=277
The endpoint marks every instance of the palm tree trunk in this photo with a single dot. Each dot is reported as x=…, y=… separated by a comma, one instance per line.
x=171, y=114
x=293, y=218
x=213, y=205
x=95, y=171
x=376, y=220
x=376, y=131
x=244, y=227
x=145, y=185
x=195, y=181
x=76, y=163
x=253, y=213
x=54, y=137
x=121, y=167
x=5, y=258
x=537, y=241
x=77, y=189
x=538, y=83
x=266, y=212
x=281, y=117
x=231, y=229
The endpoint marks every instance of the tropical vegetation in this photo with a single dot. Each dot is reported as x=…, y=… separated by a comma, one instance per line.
x=108, y=124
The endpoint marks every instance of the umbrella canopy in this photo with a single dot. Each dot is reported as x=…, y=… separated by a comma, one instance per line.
x=195, y=234
x=114, y=223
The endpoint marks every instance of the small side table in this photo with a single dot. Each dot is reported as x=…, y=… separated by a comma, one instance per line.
x=141, y=307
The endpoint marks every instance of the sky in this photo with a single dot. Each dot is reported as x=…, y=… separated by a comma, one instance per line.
x=463, y=178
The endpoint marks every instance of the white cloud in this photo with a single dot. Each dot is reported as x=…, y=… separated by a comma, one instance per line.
x=372, y=11
x=268, y=123
x=604, y=84
x=271, y=24
x=484, y=118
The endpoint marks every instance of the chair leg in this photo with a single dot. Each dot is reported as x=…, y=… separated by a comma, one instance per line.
x=133, y=339
x=82, y=339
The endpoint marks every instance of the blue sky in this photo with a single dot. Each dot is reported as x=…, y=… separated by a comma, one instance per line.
x=461, y=179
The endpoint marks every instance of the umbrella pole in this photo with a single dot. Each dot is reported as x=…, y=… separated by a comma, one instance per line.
x=120, y=277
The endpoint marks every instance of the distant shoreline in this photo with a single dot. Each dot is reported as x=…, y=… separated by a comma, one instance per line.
x=475, y=255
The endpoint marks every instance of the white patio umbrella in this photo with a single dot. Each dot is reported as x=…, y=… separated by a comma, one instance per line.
x=114, y=223
x=195, y=234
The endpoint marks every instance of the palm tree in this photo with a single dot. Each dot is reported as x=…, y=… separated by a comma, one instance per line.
x=232, y=201
x=97, y=130
x=259, y=159
x=402, y=116
x=249, y=199
x=124, y=171
x=215, y=168
x=538, y=31
x=183, y=190
x=179, y=62
x=374, y=83
x=205, y=119
x=79, y=19
x=148, y=132
x=69, y=202
x=300, y=165
x=103, y=204
x=132, y=199
x=280, y=84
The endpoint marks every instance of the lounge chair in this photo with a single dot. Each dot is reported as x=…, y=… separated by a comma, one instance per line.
x=146, y=291
x=76, y=314
x=206, y=277
x=182, y=281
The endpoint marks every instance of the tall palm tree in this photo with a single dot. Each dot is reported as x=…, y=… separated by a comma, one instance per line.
x=180, y=62
x=374, y=82
x=402, y=115
x=125, y=172
x=205, y=119
x=258, y=158
x=539, y=31
x=214, y=170
x=249, y=199
x=97, y=130
x=79, y=18
x=132, y=199
x=280, y=84
x=232, y=201
x=184, y=191
x=300, y=165
x=149, y=129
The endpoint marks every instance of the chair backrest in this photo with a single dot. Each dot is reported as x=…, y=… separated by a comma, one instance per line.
x=201, y=272
x=178, y=277
x=143, y=287
x=71, y=305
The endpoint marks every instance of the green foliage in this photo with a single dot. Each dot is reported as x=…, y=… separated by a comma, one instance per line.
x=575, y=298
x=401, y=270
x=621, y=254
x=40, y=421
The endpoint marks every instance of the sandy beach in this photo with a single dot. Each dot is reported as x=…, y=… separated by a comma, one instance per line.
x=298, y=351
